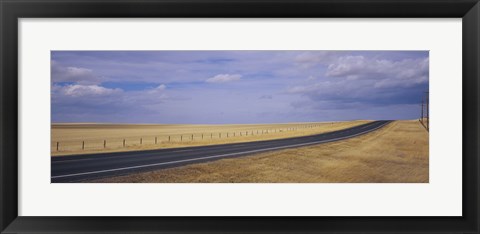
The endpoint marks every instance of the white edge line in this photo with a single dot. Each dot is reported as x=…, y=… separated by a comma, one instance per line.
x=217, y=156
x=116, y=157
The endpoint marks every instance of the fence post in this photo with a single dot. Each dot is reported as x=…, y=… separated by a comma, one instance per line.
x=192, y=137
x=234, y=134
x=123, y=143
x=168, y=138
x=57, y=145
x=83, y=145
x=227, y=134
x=104, y=144
x=181, y=137
x=155, y=140
x=202, y=136
x=141, y=140
x=211, y=135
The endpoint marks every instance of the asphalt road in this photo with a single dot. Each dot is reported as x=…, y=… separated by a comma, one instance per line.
x=66, y=169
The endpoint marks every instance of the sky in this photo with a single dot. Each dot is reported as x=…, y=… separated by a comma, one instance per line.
x=226, y=87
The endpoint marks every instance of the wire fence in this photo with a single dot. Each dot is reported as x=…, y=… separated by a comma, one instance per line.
x=172, y=139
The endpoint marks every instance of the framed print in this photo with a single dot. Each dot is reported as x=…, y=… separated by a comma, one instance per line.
x=239, y=116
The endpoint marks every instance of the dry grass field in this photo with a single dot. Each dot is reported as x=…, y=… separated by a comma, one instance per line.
x=397, y=153
x=96, y=138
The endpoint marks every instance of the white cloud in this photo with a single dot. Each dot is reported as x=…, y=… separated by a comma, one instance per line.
x=161, y=87
x=224, y=78
x=380, y=71
x=387, y=73
x=311, y=59
x=78, y=90
x=78, y=75
x=156, y=94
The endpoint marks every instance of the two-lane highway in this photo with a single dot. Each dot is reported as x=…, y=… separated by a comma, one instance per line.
x=91, y=166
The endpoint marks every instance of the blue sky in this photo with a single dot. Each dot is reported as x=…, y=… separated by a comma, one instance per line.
x=218, y=87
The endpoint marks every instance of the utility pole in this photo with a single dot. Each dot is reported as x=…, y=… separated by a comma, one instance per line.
x=421, y=116
x=428, y=111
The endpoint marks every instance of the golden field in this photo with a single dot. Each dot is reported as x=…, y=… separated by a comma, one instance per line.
x=396, y=153
x=78, y=138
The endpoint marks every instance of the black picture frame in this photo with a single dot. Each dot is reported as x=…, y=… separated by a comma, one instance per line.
x=11, y=11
